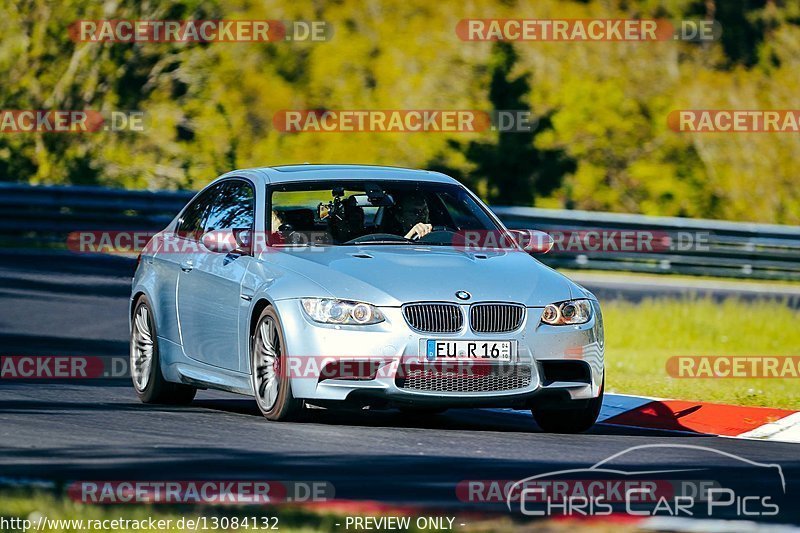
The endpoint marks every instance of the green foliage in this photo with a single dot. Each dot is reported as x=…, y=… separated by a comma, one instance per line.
x=601, y=140
x=511, y=168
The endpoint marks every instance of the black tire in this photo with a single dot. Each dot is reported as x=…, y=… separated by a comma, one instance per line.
x=570, y=420
x=156, y=389
x=285, y=406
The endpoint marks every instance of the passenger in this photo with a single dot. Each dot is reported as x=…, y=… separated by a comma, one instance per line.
x=275, y=236
x=275, y=223
x=349, y=224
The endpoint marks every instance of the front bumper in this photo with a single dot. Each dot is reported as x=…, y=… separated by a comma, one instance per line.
x=392, y=344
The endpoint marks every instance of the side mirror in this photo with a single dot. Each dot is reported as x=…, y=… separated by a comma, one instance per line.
x=225, y=241
x=533, y=241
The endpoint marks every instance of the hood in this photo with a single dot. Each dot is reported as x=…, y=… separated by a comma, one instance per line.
x=389, y=275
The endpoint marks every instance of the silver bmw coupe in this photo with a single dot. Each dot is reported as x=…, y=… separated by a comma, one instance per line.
x=367, y=286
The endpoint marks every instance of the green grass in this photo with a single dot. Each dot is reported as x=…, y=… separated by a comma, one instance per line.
x=671, y=276
x=641, y=337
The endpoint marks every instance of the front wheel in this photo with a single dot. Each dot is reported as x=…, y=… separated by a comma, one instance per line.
x=145, y=362
x=570, y=420
x=270, y=374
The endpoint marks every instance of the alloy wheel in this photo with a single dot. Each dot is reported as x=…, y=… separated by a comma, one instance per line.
x=267, y=363
x=141, y=348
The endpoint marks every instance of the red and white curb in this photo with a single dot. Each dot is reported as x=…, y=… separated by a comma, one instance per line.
x=762, y=423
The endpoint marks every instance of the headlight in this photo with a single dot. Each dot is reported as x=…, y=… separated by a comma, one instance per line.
x=330, y=311
x=569, y=312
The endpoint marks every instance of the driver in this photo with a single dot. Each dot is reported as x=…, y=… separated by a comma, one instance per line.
x=410, y=215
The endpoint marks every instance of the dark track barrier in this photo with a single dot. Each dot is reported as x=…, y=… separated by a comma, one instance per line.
x=42, y=217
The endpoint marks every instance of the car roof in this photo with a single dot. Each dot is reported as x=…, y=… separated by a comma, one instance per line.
x=308, y=172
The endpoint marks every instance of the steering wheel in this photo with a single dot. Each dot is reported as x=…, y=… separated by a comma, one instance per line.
x=444, y=227
x=439, y=228
x=372, y=237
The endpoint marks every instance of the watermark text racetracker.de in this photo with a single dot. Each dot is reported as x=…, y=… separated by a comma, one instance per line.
x=734, y=120
x=563, y=241
x=587, y=30
x=476, y=360
x=402, y=120
x=606, y=490
x=69, y=121
x=734, y=366
x=20, y=367
x=199, y=31
x=200, y=492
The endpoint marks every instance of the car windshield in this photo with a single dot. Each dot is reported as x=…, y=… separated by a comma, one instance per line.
x=373, y=213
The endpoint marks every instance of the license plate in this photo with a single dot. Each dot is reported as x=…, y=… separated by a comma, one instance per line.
x=501, y=351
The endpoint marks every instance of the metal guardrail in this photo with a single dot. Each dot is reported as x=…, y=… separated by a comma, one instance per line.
x=685, y=246
x=43, y=216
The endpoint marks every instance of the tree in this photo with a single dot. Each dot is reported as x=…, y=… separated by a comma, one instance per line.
x=514, y=170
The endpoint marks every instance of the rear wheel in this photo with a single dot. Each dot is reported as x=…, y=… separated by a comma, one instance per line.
x=270, y=374
x=145, y=363
x=570, y=420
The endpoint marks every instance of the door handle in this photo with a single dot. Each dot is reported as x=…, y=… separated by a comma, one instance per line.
x=187, y=266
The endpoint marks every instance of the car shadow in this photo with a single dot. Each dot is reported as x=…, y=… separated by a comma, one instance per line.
x=497, y=420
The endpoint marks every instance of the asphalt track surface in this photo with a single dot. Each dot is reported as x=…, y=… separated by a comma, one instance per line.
x=67, y=431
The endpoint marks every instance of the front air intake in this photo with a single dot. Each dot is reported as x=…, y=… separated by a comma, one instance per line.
x=496, y=317
x=434, y=317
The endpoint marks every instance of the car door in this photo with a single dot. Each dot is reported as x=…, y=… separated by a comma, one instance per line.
x=209, y=284
x=174, y=250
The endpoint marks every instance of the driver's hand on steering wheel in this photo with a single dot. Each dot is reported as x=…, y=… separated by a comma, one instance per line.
x=419, y=230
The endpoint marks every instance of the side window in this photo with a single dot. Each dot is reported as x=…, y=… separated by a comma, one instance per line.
x=233, y=207
x=193, y=219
